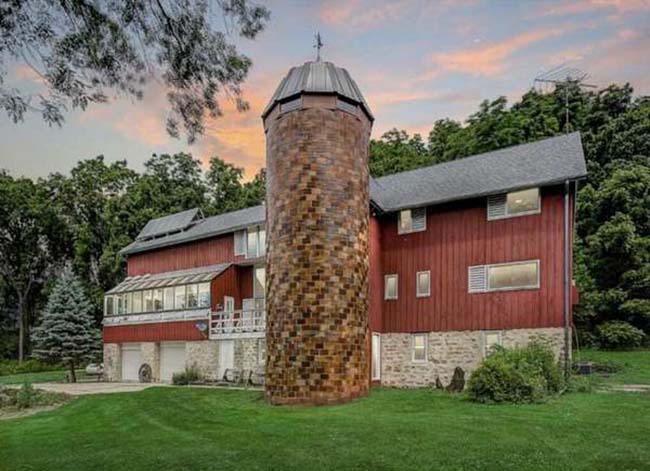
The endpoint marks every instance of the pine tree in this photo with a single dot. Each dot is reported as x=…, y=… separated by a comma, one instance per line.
x=67, y=333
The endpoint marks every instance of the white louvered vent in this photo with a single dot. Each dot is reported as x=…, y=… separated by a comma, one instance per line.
x=240, y=243
x=419, y=219
x=477, y=279
x=496, y=206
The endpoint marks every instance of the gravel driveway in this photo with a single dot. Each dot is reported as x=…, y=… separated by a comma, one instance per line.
x=80, y=389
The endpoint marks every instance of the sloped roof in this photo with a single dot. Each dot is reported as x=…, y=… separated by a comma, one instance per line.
x=317, y=77
x=538, y=163
x=168, y=224
x=172, y=278
x=203, y=228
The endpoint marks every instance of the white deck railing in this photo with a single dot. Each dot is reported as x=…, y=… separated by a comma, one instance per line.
x=233, y=323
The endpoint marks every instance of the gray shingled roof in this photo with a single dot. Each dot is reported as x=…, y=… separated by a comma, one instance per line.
x=317, y=77
x=168, y=224
x=203, y=228
x=538, y=163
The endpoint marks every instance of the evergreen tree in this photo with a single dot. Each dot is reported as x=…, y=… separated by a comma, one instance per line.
x=67, y=332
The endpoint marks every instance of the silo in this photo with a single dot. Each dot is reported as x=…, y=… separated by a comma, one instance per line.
x=317, y=128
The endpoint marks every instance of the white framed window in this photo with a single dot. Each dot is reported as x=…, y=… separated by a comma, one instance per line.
x=412, y=220
x=255, y=242
x=419, y=348
x=504, y=276
x=376, y=357
x=158, y=299
x=192, y=296
x=137, y=302
x=204, y=294
x=240, y=242
x=128, y=297
x=147, y=300
x=108, y=306
x=179, y=297
x=168, y=299
x=423, y=284
x=490, y=340
x=390, y=286
x=515, y=203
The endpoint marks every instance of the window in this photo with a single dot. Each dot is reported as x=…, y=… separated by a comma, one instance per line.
x=118, y=304
x=179, y=295
x=390, y=287
x=259, y=282
x=419, y=348
x=423, y=288
x=503, y=276
x=147, y=297
x=158, y=299
x=137, y=301
x=240, y=243
x=192, y=296
x=255, y=242
x=261, y=351
x=376, y=357
x=168, y=299
x=412, y=220
x=515, y=203
x=204, y=295
x=490, y=340
x=127, y=303
x=108, y=306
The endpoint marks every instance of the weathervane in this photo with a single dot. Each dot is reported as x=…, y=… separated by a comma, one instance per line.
x=318, y=46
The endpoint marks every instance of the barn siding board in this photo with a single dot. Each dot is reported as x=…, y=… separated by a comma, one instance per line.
x=153, y=332
x=458, y=235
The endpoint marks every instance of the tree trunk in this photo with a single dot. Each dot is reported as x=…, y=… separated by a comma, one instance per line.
x=21, y=329
x=73, y=375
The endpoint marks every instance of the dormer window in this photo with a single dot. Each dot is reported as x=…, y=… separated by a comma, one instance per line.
x=513, y=204
x=251, y=242
x=412, y=220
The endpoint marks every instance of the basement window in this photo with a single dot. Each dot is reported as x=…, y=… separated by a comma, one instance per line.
x=412, y=220
x=390, y=287
x=491, y=340
x=419, y=350
x=515, y=203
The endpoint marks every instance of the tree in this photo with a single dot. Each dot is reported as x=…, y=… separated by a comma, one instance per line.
x=225, y=187
x=83, y=51
x=67, y=333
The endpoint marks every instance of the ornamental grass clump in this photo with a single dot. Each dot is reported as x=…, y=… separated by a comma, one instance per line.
x=519, y=375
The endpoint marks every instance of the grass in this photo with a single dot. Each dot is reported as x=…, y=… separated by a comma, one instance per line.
x=40, y=377
x=633, y=367
x=203, y=429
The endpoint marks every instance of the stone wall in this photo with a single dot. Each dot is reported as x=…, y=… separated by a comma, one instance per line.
x=150, y=352
x=246, y=351
x=447, y=350
x=204, y=354
x=112, y=362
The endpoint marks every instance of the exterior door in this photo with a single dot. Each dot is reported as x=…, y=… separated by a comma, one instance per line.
x=226, y=356
x=376, y=357
x=172, y=359
x=131, y=361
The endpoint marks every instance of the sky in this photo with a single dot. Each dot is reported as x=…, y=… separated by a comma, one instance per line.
x=414, y=61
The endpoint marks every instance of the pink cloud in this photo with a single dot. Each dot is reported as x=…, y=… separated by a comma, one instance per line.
x=619, y=7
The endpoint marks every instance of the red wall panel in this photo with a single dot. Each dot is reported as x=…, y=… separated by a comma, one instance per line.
x=225, y=284
x=219, y=249
x=458, y=235
x=154, y=332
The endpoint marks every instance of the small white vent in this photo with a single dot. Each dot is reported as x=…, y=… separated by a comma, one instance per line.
x=477, y=279
x=496, y=206
x=240, y=243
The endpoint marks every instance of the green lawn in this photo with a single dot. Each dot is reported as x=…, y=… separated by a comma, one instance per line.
x=633, y=367
x=41, y=377
x=206, y=429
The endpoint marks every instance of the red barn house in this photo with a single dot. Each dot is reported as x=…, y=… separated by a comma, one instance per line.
x=452, y=259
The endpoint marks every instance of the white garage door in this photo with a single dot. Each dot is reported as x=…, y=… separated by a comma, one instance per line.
x=131, y=361
x=172, y=359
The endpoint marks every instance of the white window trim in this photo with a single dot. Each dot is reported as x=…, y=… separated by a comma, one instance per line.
x=386, y=297
x=243, y=245
x=376, y=377
x=485, y=333
x=517, y=288
x=417, y=284
x=257, y=230
x=524, y=213
x=410, y=231
x=426, y=348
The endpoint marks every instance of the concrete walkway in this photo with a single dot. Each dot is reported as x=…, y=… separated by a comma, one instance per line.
x=81, y=389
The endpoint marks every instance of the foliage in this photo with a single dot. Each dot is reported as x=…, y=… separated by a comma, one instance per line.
x=12, y=367
x=26, y=396
x=527, y=374
x=188, y=376
x=67, y=333
x=619, y=335
x=83, y=51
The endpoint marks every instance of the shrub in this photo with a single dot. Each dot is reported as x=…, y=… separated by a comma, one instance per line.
x=619, y=335
x=12, y=367
x=26, y=397
x=518, y=375
x=190, y=375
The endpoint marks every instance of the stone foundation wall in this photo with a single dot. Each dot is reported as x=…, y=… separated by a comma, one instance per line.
x=150, y=352
x=246, y=351
x=204, y=354
x=447, y=350
x=112, y=362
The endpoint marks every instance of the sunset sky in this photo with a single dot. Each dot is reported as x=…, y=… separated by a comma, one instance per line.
x=415, y=62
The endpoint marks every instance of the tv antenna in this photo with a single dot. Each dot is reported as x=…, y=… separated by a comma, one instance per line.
x=564, y=75
x=319, y=45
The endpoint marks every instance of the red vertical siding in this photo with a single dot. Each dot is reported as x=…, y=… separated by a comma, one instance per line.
x=375, y=275
x=458, y=235
x=219, y=249
x=246, y=290
x=226, y=284
x=153, y=332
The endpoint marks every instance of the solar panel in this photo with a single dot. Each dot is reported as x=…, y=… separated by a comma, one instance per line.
x=168, y=224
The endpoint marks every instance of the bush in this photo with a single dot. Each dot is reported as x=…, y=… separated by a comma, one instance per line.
x=190, y=375
x=12, y=367
x=517, y=375
x=26, y=397
x=619, y=335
